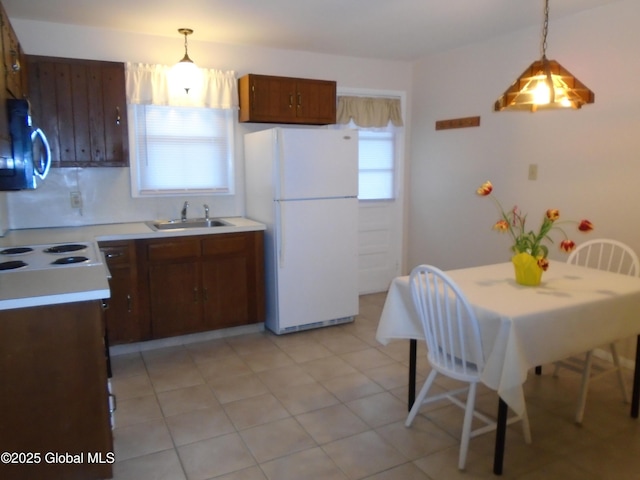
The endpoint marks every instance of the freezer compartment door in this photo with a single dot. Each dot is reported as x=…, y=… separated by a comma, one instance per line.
x=317, y=261
x=317, y=163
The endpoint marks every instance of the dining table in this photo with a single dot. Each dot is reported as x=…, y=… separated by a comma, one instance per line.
x=574, y=309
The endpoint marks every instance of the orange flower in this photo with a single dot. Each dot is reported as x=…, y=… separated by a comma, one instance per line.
x=553, y=214
x=501, y=225
x=543, y=263
x=585, y=226
x=567, y=245
x=485, y=189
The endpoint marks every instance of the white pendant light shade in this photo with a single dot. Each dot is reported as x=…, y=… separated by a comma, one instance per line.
x=185, y=73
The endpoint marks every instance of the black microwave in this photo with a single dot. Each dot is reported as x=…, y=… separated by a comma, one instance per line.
x=30, y=153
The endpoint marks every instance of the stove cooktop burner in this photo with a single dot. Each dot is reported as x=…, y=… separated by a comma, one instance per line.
x=12, y=265
x=69, y=260
x=16, y=251
x=69, y=247
x=51, y=256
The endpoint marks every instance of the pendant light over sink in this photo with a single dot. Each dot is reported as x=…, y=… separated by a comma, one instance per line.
x=545, y=84
x=185, y=72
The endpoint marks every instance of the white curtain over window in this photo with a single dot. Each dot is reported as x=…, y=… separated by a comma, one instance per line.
x=153, y=85
x=181, y=143
x=369, y=112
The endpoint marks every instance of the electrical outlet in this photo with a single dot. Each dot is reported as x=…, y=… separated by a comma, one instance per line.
x=533, y=171
x=76, y=199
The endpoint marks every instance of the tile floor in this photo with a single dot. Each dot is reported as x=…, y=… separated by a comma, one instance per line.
x=331, y=404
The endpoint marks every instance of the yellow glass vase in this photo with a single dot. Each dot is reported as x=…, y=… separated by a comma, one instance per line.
x=527, y=270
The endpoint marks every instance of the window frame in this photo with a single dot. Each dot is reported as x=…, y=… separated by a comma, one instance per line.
x=393, y=170
x=135, y=161
x=399, y=138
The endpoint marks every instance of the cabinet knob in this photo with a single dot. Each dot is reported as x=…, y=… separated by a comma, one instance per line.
x=15, y=62
x=118, y=118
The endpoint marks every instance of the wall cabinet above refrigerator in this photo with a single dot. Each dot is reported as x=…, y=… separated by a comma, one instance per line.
x=81, y=105
x=269, y=99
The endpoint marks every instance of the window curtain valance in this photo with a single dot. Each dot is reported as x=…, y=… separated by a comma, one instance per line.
x=369, y=112
x=153, y=85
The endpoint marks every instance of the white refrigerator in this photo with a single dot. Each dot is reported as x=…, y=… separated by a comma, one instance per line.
x=303, y=185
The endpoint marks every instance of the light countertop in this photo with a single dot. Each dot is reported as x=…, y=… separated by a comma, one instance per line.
x=29, y=288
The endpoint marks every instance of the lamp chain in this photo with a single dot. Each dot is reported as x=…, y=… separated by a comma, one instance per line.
x=545, y=28
x=185, y=43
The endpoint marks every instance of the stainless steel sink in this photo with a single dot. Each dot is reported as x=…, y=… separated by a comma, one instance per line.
x=189, y=223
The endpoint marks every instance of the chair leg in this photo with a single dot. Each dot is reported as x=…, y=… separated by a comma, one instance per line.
x=526, y=428
x=466, y=426
x=616, y=362
x=584, y=387
x=420, y=398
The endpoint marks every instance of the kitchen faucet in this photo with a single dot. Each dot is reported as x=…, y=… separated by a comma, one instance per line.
x=206, y=211
x=183, y=214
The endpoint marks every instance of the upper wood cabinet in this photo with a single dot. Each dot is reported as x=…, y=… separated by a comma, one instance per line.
x=13, y=59
x=269, y=99
x=13, y=82
x=81, y=106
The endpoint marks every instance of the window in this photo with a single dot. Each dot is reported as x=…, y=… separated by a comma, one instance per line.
x=181, y=150
x=378, y=120
x=376, y=164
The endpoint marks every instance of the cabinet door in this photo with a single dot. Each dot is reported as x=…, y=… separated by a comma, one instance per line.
x=273, y=99
x=123, y=325
x=79, y=136
x=54, y=393
x=225, y=285
x=124, y=322
x=12, y=58
x=84, y=114
x=175, y=296
x=233, y=278
x=42, y=81
x=316, y=101
x=114, y=116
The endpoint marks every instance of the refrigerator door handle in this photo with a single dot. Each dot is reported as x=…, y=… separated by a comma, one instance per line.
x=280, y=164
x=280, y=243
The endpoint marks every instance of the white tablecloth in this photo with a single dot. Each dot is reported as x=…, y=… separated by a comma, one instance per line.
x=574, y=310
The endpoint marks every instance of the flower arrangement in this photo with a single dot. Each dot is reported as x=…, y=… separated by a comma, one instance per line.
x=530, y=242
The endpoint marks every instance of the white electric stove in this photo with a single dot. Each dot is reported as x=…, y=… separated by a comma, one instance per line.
x=49, y=256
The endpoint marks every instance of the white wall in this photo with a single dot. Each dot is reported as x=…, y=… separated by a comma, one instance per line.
x=588, y=160
x=105, y=191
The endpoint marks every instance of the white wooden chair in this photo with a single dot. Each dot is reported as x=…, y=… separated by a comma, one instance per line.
x=612, y=256
x=454, y=349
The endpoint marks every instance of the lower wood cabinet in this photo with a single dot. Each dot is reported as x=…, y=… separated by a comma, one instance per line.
x=164, y=287
x=173, y=272
x=124, y=323
x=54, y=396
x=232, y=280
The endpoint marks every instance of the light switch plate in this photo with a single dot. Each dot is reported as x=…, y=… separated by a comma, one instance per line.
x=533, y=171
